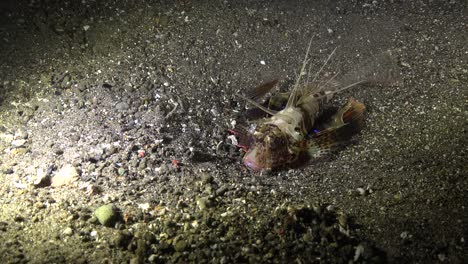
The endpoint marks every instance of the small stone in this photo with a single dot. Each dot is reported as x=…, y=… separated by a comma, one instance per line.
x=343, y=220
x=144, y=207
x=133, y=163
x=68, y=231
x=121, y=171
x=112, y=150
x=206, y=178
x=358, y=252
x=21, y=134
x=201, y=203
x=361, y=191
x=142, y=164
x=122, y=106
x=58, y=152
x=18, y=219
x=152, y=258
x=162, y=169
x=233, y=140
x=404, y=235
x=71, y=217
x=3, y=226
x=42, y=178
x=66, y=81
x=18, y=143
x=123, y=239
x=180, y=246
x=19, y=151
x=107, y=215
x=65, y=176
x=194, y=224
x=39, y=205
x=221, y=191
x=208, y=189
x=307, y=237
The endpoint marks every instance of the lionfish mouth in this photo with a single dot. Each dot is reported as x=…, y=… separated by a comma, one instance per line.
x=251, y=162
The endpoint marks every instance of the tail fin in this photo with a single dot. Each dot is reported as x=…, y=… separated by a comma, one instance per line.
x=348, y=121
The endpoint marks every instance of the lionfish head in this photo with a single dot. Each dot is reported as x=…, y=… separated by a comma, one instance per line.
x=270, y=150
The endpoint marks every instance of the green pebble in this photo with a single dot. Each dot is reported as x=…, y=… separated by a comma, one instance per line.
x=107, y=215
x=180, y=245
x=201, y=203
x=121, y=171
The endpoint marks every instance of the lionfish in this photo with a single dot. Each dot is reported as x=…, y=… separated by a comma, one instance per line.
x=292, y=131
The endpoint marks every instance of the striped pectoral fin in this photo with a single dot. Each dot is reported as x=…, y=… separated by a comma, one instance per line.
x=315, y=150
x=348, y=121
x=350, y=115
x=325, y=142
x=353, y=116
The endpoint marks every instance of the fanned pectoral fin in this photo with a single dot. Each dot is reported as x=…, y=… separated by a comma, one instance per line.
x=347, y=122
x=325, y=142
x=351, y=115
x=259, y=106
x=252, y=97
x=262, y=89
x=276, y=103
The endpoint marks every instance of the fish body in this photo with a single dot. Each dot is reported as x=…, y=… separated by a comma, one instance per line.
x=282, y=138
x=287, y=134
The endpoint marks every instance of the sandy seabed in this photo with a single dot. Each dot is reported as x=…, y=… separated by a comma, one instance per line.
x=127, y=106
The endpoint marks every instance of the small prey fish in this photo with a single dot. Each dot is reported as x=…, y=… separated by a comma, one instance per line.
x=293, y=132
